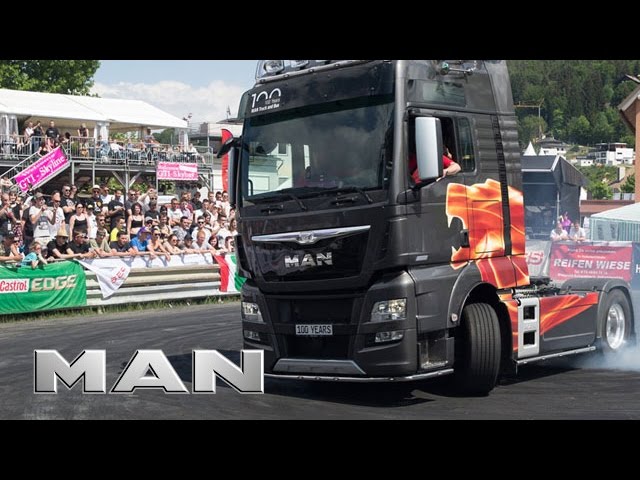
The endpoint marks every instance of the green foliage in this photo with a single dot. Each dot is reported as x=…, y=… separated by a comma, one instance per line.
x=579, y=97
x=579, y=129
x=599, y=176
x=166, y=137
x=630, y=185
x=600, y=191
x=530, y=128
x=51, y=76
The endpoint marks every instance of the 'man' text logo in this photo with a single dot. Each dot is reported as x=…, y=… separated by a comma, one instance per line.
x=308, y=260
x=90, y=366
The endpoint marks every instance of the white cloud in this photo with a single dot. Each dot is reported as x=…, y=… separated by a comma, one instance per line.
x=207, y=103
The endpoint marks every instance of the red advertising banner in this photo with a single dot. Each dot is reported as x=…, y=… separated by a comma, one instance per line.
x=590, y=261
x=226, y=135
x=177, y=171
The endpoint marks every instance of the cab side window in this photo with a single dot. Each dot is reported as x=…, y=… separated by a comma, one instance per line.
x=466, y=157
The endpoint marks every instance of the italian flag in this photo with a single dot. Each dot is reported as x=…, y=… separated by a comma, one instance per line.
x=230, y=281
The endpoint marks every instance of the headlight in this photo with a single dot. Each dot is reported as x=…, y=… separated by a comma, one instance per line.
x=251, y=312
x=389, y=310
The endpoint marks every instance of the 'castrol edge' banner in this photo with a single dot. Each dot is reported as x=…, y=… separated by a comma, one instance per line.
x=590, y=261
x=177, y=171
x=57, y=285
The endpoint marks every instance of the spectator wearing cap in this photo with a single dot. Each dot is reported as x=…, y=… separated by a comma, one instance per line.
x=9, y=249
x=59, y=247
x=155, y=244
x=79, y=221
x=141, y=241
x=100, y=244
x=80, y=247
x=92, y=221
x=96, y=199
x=122, y=247
x=187, y=245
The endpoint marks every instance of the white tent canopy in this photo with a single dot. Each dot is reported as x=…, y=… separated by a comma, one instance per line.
x=620, y=224
x=68, y=111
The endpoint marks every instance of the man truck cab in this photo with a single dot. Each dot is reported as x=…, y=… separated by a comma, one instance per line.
x=356, y=272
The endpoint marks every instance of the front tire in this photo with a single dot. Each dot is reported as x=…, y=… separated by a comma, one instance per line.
x=478, y=350
x=616, y=323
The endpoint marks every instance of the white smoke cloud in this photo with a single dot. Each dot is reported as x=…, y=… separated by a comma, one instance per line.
x=628, y=359
x=206, y=104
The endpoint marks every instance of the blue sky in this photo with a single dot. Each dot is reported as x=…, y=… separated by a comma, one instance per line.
x=204, y=88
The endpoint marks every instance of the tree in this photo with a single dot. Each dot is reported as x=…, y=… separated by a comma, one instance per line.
x=601, y=191
x=601, y=131
x=530, y=128
x=74, y=77
x=630, y=185
x=579, y=129
x=166, y=136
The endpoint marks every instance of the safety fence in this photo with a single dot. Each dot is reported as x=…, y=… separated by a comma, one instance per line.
x=150, y=285
x=116, y=281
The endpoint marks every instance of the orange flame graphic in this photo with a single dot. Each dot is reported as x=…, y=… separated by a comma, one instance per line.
x=479, y=208
x=553, y=311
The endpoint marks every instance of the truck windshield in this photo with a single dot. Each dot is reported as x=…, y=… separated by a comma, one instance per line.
x=318, y=150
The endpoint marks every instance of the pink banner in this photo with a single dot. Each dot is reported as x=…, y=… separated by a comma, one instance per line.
x=177, y=171
x=41, y=171
x=589, y=261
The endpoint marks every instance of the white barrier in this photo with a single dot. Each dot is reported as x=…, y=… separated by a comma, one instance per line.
x=180, y=277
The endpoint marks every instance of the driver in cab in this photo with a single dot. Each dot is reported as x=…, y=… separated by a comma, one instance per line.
x=450, y=166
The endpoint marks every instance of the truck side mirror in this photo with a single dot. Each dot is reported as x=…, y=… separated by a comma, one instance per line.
x=226, y=146
x=429, y=148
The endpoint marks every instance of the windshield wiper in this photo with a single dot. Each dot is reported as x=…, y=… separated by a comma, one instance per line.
x=280, y=195
x=350, y=188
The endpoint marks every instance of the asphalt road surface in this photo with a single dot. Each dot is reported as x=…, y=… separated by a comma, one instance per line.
x=561, y=390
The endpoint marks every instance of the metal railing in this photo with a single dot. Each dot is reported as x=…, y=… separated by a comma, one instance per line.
x=156, y=284
x=83, y=149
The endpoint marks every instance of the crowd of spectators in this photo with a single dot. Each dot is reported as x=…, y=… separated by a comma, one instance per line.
x=37, y=228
